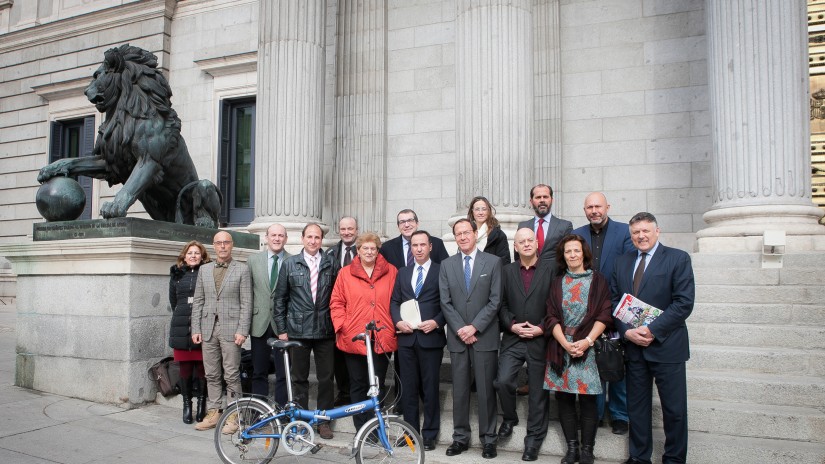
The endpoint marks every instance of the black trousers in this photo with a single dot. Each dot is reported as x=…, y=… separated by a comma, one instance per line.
x=261, y=354
x=324, y=351
x=341, y=375
x=420, y=374
x=359, y=381
x=510, y=361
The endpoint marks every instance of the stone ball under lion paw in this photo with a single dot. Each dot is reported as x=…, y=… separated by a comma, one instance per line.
x=60, y=199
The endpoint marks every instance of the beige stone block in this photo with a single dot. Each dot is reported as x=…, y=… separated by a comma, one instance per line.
x=603, y=106
x=414, y=15
x=673, y=223
x=19, y=71
x=448, y=54
x=602, y=11
x=435, y=78
x=694, y=98
x=662, y=7
x=597, y=59
x=400, y=166
x=417, y=100
x=701, y=174
x=604, y=154
x=647, y=126
x=414, y=144
x=579, y=37
x=676, y=50
x=676, y=150
x=398, y=124
x=415, y=58
x=448, y=141
x=700, y=123
x=582, y=179
x=448, y=98
x=432, y=121
x=649, y=176
x=401, y=81
x=699, y=72
x=399, y=39
x=646, y=77
x=435, y=34
x=577, y=84
x=677, y=201
x=418, y=187
x=582, y=131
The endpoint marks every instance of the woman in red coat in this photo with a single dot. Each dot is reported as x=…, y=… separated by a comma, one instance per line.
x=362, y=294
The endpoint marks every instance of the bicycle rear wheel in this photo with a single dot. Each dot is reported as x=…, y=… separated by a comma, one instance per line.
x=234, y=449
x=404, y=442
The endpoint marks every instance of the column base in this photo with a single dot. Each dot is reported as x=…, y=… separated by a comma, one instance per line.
x=507, y=220
x=741, y=228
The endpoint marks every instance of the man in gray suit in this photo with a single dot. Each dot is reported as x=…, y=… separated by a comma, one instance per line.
x=221, y=313
x=549, y=229
x=470, y=289
x=264, y=267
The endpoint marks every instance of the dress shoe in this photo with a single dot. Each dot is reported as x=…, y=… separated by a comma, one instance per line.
x=325, y=431
x=619, y=427
x=506, y=429
x=489, y=451
x=429, y=444
x=456, y=448
x=530, y=454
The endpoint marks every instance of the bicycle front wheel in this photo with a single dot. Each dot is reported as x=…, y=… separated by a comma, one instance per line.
x=404, y=442
x=235, y=449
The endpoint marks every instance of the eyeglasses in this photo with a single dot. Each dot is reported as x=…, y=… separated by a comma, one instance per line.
x=401, y=222
x=480, y=209
x=223, y=243
x=466, y=233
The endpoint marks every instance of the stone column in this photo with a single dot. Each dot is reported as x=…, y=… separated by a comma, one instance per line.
x=758, y=74
x=289, y=135
x=494, y=105
x=547, y=72
x=358, y=174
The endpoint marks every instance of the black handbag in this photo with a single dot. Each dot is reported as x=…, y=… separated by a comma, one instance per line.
x=166, y=374
x=610, y=358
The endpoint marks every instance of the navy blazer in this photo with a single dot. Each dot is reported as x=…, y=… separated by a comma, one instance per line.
x=668, y=285
x=393, y=251
x=429, y=303
x=616, y=243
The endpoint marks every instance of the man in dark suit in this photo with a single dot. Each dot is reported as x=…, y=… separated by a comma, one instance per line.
x=608, y=240
x=549, y=229
x=470, y=288
x=342, y=253
x=526, y=285
x=663, y=277
x=397, y=251
x=263, y=268
x=421, y=348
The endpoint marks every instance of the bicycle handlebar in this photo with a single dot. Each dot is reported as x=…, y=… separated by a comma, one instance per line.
x=370, y=327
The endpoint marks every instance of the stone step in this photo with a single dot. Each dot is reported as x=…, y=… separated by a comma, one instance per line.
x=759, y=313
x=781, y=361
x=801, y=294
x=715, y=262
x=756, y=335
x=745, y=387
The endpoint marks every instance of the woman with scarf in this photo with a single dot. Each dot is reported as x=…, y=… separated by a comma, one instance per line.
x=491, y=239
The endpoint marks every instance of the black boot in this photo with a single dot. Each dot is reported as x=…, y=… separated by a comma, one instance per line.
x=590, y=425
x=567, y=418
x=201, y=412
x=186, y=394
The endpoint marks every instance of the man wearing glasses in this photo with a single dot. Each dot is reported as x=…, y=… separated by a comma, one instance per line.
x=398, y=252
x=221, y=315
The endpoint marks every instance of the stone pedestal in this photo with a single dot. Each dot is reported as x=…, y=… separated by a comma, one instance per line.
x=93, y=315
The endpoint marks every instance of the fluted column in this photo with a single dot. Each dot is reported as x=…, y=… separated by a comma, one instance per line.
x=358, y=178
x=547, y=71
x=290, y=114
x=494, y=104
x=758, y=74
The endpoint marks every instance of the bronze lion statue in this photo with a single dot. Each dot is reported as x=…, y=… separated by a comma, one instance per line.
x=140, y=146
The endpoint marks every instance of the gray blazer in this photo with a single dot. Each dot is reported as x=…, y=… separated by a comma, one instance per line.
x=262, y=297
x=480, y=307
x=232, y=305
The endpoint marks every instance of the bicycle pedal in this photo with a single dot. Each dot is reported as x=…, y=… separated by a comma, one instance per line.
x=316, y=448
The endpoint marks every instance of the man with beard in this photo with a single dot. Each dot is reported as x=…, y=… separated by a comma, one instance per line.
x=549, y=229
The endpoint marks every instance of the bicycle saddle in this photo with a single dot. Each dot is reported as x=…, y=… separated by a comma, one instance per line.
x=281, y=344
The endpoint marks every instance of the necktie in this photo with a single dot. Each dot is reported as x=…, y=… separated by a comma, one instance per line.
x=467, y=272
x=419, y=281
x=273, y=274
x=409, y=254
x=313, y=276
x=348, y=255
x=540, y=236
x=637, y=276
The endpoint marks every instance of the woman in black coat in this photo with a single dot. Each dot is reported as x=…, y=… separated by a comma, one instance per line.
x=183, y=276
x=491, y=239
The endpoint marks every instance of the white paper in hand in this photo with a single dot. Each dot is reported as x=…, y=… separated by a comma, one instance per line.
x=410, y=313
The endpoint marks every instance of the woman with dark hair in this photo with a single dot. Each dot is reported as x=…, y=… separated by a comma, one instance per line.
x=578, y=311
x=491, y=239
x=184, y=275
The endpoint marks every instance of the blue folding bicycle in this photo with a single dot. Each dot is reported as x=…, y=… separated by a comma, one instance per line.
x=262, y=426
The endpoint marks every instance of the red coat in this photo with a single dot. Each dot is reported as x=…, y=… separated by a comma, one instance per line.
x=357, y=299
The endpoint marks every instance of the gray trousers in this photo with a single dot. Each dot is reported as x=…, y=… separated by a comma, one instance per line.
x=221, y=360
x=483, y=366
x=509, y=363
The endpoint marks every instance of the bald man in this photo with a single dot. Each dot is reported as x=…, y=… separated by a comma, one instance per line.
x=221, y=315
